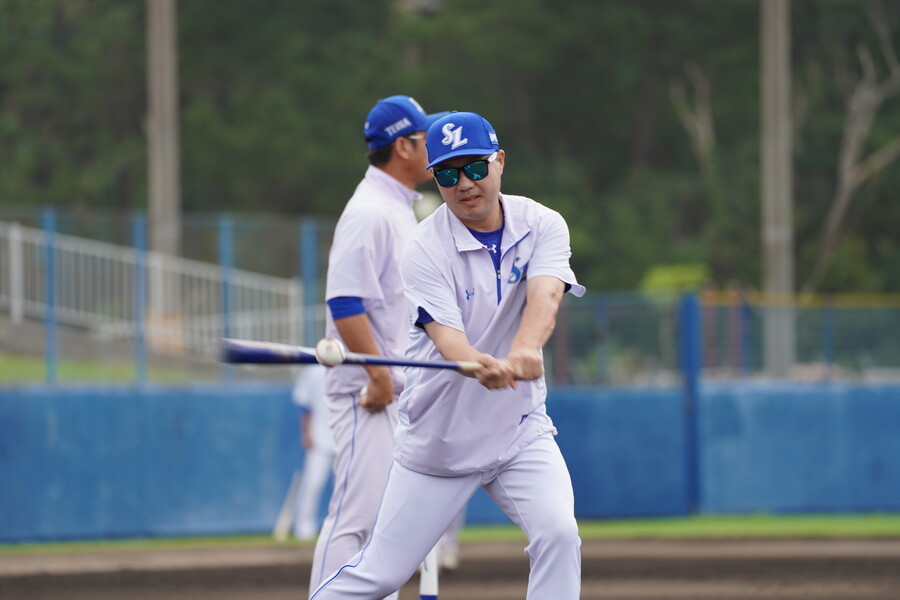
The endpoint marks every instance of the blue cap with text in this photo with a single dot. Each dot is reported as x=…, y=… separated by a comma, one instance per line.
x=394, y=117
x=460, y=134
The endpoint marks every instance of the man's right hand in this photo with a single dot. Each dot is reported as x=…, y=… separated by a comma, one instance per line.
x=379, y=391
x=496, y=374
x=527, y=364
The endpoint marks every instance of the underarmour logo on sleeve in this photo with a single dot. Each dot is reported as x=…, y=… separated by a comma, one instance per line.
x=453, y=137
x=470, y=294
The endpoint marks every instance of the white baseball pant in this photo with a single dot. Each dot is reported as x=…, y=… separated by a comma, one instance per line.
x=533, y=488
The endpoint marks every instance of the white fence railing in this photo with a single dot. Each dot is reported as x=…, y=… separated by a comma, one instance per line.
x=185, y=305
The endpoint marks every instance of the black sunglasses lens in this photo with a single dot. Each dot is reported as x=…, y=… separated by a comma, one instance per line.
x=447, y=177
x=476, y=170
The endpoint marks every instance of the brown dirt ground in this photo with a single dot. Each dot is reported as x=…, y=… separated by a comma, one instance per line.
x=825, y=569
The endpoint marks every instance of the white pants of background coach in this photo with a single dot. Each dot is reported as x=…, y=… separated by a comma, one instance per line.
x=364, y=446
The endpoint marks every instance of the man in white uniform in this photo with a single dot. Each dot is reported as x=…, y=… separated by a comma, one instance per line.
x=484, y=276
x=318, y=457
x=367, y=311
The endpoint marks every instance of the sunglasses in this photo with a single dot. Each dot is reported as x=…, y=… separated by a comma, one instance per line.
x=475, y=170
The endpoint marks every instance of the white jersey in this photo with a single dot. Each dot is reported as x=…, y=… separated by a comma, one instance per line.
x=309, y=393
x=364, y=263
x=450, y=424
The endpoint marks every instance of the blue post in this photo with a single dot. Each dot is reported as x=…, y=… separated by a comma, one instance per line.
x=690, y=336
x=828, y=337
x=226, y=263
x=601, y=318
x=50, y=349
x=746, y=337
x=309, y=276
x=139, y=236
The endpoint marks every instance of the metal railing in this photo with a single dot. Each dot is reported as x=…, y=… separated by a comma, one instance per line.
x=124, y=293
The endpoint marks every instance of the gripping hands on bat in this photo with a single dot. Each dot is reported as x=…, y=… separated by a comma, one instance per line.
x=521, y=364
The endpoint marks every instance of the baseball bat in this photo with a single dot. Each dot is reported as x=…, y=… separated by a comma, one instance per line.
x=283, y=523
x=271, y=353
x=428, y=576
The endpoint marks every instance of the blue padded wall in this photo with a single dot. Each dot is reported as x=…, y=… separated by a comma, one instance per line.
x=800, y=448
x=106, y=462
x=625, y=449
x=78, y=463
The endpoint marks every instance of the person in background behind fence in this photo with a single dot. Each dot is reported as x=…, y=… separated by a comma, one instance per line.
x=315, y=435
x=367, y=311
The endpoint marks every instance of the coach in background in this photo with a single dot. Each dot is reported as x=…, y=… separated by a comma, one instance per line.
x=484, y=276
x=367, y=311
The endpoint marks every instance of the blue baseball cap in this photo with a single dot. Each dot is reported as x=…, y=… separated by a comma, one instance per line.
x=394, y=117
x=460, y=134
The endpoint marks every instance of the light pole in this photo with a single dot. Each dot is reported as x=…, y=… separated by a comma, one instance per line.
x=777, y=188
x=164, y=178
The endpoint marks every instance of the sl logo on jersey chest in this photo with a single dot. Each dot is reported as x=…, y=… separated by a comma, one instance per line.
x=517, y=273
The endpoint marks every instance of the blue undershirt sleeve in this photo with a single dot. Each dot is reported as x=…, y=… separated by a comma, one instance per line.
x=345, y=306
x=423, y=317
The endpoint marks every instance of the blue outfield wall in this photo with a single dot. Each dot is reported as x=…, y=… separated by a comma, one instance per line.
x=625, y=449
x=81, y=463
x=800, y=448
x=86, y=463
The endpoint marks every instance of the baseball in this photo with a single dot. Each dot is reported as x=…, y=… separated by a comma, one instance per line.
x=329, y=352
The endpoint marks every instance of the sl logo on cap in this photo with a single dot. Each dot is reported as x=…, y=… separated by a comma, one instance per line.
x=453, y=136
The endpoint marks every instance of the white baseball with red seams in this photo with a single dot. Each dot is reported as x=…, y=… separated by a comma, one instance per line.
x=330, y=352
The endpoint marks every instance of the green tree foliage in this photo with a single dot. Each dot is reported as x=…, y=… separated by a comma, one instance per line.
x=828, y=39
x=637, y=119
x=71, y=102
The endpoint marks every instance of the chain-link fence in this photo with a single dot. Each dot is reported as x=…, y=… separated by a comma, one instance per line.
x=841, y=336
x=636, y=339
x=605, y=338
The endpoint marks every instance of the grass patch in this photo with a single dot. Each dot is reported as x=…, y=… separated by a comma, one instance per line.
x=700, y=527
x=240, y=541
x=22, y=369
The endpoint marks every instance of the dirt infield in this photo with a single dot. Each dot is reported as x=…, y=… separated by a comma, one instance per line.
x=722, y=569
